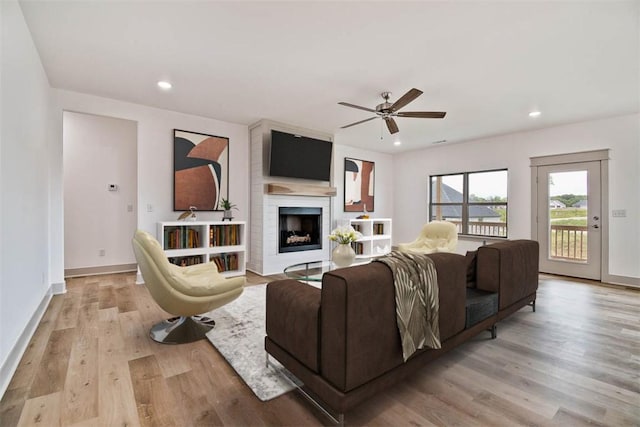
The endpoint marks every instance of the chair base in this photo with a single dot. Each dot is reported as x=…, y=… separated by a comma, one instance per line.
x=181, y=330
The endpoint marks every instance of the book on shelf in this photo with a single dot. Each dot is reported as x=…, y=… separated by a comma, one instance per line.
x=226, y=261
x=378, y=228
x=358, y=248
x=224, y=235
x=181, y=237
x=184, y=261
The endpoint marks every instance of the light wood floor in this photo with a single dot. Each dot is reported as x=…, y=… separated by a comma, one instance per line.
x=576, y=361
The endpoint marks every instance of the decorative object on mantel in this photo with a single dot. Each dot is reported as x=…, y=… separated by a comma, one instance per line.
x=365, y=215
x=200, y=170
x=343, y=255
x=227, y=206
x=290, y=189
x=359, y=180
x=190, y=214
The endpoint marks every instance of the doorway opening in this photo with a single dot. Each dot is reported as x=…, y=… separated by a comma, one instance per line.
x=100, y=168
x=567, y=213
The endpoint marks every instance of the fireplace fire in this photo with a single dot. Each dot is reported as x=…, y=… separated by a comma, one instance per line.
x=300, y=229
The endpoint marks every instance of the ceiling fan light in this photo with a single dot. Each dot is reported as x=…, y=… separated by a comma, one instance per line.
x=165, y=85
x=534, y=114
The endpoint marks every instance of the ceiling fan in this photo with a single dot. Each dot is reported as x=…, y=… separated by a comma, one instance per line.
x=388, y=111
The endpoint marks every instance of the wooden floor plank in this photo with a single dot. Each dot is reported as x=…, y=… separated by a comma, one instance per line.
x=12, y=405
x=172, y=363
x=154, y=399
x=125, y=298
x=80, y=394
x=107, y=297
x=90, y=293
x=52, y=371
x=68, y=317
x=137, y=343
x=599, y=392
x=117, y=405
x=193, y=400
x=42, y=411
x=32, y=357
x=575, y=361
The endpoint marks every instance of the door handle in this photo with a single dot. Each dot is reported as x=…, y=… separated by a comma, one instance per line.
x=595, y=226
x=596, y=218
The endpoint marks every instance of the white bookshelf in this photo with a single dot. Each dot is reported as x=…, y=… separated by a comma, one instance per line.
x=196, y=242
x=376, y=236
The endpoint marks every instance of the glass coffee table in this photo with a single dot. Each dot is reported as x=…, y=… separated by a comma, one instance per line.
x=312, y=271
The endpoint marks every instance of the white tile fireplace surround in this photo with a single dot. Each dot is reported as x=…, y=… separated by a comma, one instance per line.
x=265, y=256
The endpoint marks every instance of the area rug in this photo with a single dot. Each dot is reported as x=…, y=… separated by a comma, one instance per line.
x=239, y=336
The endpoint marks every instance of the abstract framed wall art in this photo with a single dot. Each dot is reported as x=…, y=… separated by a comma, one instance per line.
x=359, y=180
x=200, y=170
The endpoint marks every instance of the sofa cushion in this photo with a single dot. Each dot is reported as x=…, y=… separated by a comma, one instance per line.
x=471, y=259
x=479, y=306
x=509, y=268
x=292, y=320
x=359, y=332
x=359, y=335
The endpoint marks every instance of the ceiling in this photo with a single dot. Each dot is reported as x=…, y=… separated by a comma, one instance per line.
x=488, y=64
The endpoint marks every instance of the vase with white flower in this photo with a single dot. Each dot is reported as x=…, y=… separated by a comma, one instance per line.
x=343, y=254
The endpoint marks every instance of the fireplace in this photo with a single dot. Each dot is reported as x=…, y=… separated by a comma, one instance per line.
x=299, y=229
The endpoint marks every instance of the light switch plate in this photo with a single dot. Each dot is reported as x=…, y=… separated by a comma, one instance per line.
x=619, y=213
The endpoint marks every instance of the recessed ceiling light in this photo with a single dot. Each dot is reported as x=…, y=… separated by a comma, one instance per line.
x=397, y=143
x=440, y=141
x=164, y=85
x=534, y=113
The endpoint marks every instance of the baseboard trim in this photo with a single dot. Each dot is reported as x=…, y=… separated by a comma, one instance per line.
x=621, y=280
x=59, y=288
x=95, y=271
x=10, y=365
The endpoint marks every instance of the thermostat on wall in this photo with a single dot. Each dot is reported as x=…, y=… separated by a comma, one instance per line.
x=113, y=187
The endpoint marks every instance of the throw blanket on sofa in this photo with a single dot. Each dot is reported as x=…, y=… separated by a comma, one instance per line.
x=417, y=304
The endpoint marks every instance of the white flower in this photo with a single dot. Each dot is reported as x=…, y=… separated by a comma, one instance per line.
x=344, y=235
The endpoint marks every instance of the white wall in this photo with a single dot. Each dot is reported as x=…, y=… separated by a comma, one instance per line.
x=24, y=183
x=99, y=151
x=384, y=180
x=620, y=134
x=155, y=154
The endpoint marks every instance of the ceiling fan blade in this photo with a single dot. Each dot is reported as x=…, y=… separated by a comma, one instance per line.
x=423, y=114
x=346, y=104
x=405, y=99
x=391, y=125
x=357, y=123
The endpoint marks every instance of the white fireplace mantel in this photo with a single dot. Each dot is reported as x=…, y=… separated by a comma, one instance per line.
x=269, y=194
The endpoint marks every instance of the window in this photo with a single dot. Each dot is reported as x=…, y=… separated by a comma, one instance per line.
x=475, y=201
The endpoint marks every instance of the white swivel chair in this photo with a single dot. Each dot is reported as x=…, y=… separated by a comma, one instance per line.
x=436, y=236
x=182, y=291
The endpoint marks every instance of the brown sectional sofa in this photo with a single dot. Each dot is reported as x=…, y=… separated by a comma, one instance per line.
x=342, y=341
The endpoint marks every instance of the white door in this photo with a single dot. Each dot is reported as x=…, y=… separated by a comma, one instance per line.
x=569, y=212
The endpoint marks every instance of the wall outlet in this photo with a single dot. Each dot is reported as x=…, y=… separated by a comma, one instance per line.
x=149, y=207
x=102, y=252
x=619, y=213
x=129, y=208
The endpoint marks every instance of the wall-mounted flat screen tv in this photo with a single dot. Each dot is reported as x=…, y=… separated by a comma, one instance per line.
x=296, y=156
